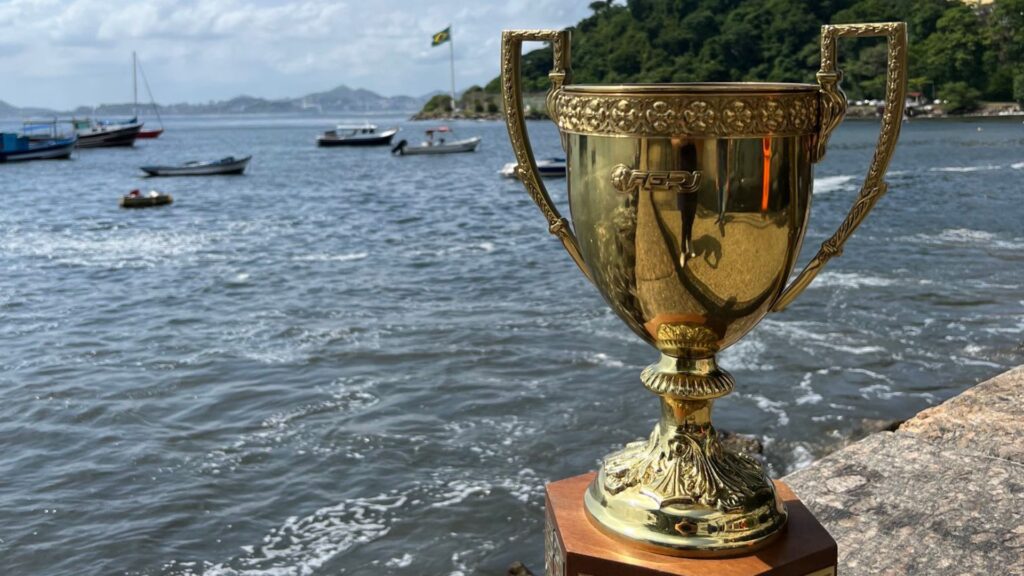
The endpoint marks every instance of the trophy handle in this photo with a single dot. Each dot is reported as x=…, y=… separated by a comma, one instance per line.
x=833, y=108
x=512, y=97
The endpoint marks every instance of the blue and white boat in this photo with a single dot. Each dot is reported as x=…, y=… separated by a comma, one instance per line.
x=19, y=147
x=547, y=168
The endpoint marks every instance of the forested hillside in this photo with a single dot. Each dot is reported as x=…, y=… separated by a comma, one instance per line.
x=958, y=51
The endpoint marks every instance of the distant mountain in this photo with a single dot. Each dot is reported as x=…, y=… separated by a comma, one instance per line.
x=9, y=111
x=340, y=99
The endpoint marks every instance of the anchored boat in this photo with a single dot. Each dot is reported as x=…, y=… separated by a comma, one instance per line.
x=548, y=168
x=19, y=147
x=99, y=134
x=225, y=166
x=438, y=145
x=136, y=199
x=356, y=135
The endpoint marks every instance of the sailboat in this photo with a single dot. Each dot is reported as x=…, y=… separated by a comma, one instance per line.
x=136, y=67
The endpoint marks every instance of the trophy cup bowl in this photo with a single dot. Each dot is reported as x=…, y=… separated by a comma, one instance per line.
x=689, y=205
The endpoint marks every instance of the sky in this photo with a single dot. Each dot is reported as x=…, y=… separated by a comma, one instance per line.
x=64, y=53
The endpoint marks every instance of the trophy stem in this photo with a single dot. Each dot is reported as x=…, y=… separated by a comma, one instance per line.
x=681, y=492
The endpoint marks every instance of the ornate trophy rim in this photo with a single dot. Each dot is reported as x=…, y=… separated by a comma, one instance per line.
x=724, y=88
x=697, y=110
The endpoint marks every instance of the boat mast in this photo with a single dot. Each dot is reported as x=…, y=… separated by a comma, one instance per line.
x=451, y=54
x=152, y=102
x=135, y=88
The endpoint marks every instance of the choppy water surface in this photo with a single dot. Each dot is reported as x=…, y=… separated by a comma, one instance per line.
x=345, y=362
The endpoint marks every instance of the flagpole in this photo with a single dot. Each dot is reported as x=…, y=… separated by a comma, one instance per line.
x=451, y=54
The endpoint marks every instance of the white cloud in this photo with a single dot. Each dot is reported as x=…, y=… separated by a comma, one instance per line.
x=62, y=53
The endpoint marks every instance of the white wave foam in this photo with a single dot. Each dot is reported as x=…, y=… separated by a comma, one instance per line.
x=300, y=546
x=772, y=407
x=1017, y=328
x=813, y=334
x=966, y=236
x=320, y=257
x=403, y=562
x=602, y=359
x=286, y=427
x=747, y=354
x=880, y=391
x=870, y=374
x=1017, y=166
x=809, y=396
x=973, y=349
x=522, y=487
x=459, y=490
x=829, y=279
x=115, y=248
x=965, y=168
x=307, y=543
x=827, y=184
x=801, y=458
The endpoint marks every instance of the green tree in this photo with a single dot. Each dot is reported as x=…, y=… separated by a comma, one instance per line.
x=959, y=97
x=778, y=40
x=1018, y=86
x=954, y=51
x=438, y=103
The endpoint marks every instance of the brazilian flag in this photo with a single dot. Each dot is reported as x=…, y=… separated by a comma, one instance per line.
x=442, y=37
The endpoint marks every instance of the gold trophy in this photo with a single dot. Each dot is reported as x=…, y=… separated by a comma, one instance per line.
x=689, y=204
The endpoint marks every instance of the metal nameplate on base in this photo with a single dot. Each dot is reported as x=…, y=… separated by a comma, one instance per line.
x=575, y=546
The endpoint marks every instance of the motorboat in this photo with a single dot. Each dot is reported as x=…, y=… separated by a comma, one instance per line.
x=97, y=134
x=548, y=168
x=224, y=166
x=356, y=135
x=438, y=144
x=19, y=147
x=136, y=199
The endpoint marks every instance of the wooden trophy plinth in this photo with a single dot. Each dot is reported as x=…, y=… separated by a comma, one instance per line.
x=574, y=547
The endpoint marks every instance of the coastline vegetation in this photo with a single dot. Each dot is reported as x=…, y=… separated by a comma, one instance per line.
x=963, y=53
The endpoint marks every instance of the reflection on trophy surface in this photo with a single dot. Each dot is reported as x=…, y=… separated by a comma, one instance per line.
x=689, y=205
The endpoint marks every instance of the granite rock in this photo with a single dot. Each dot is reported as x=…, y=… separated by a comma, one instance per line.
x=743, y=443
x=987, y=419
x=941, y=496
x=518, y=569
x=900, y=505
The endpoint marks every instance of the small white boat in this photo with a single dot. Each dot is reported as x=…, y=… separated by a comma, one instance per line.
x=548, y=168
x=228, y=165
x=357, y=135
x=438, y=145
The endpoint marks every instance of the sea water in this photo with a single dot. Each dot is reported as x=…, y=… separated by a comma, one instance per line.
x=345, y=362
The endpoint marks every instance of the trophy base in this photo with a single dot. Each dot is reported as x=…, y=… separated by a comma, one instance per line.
x=681, y=492
x=685, y=531
x=574, y=546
